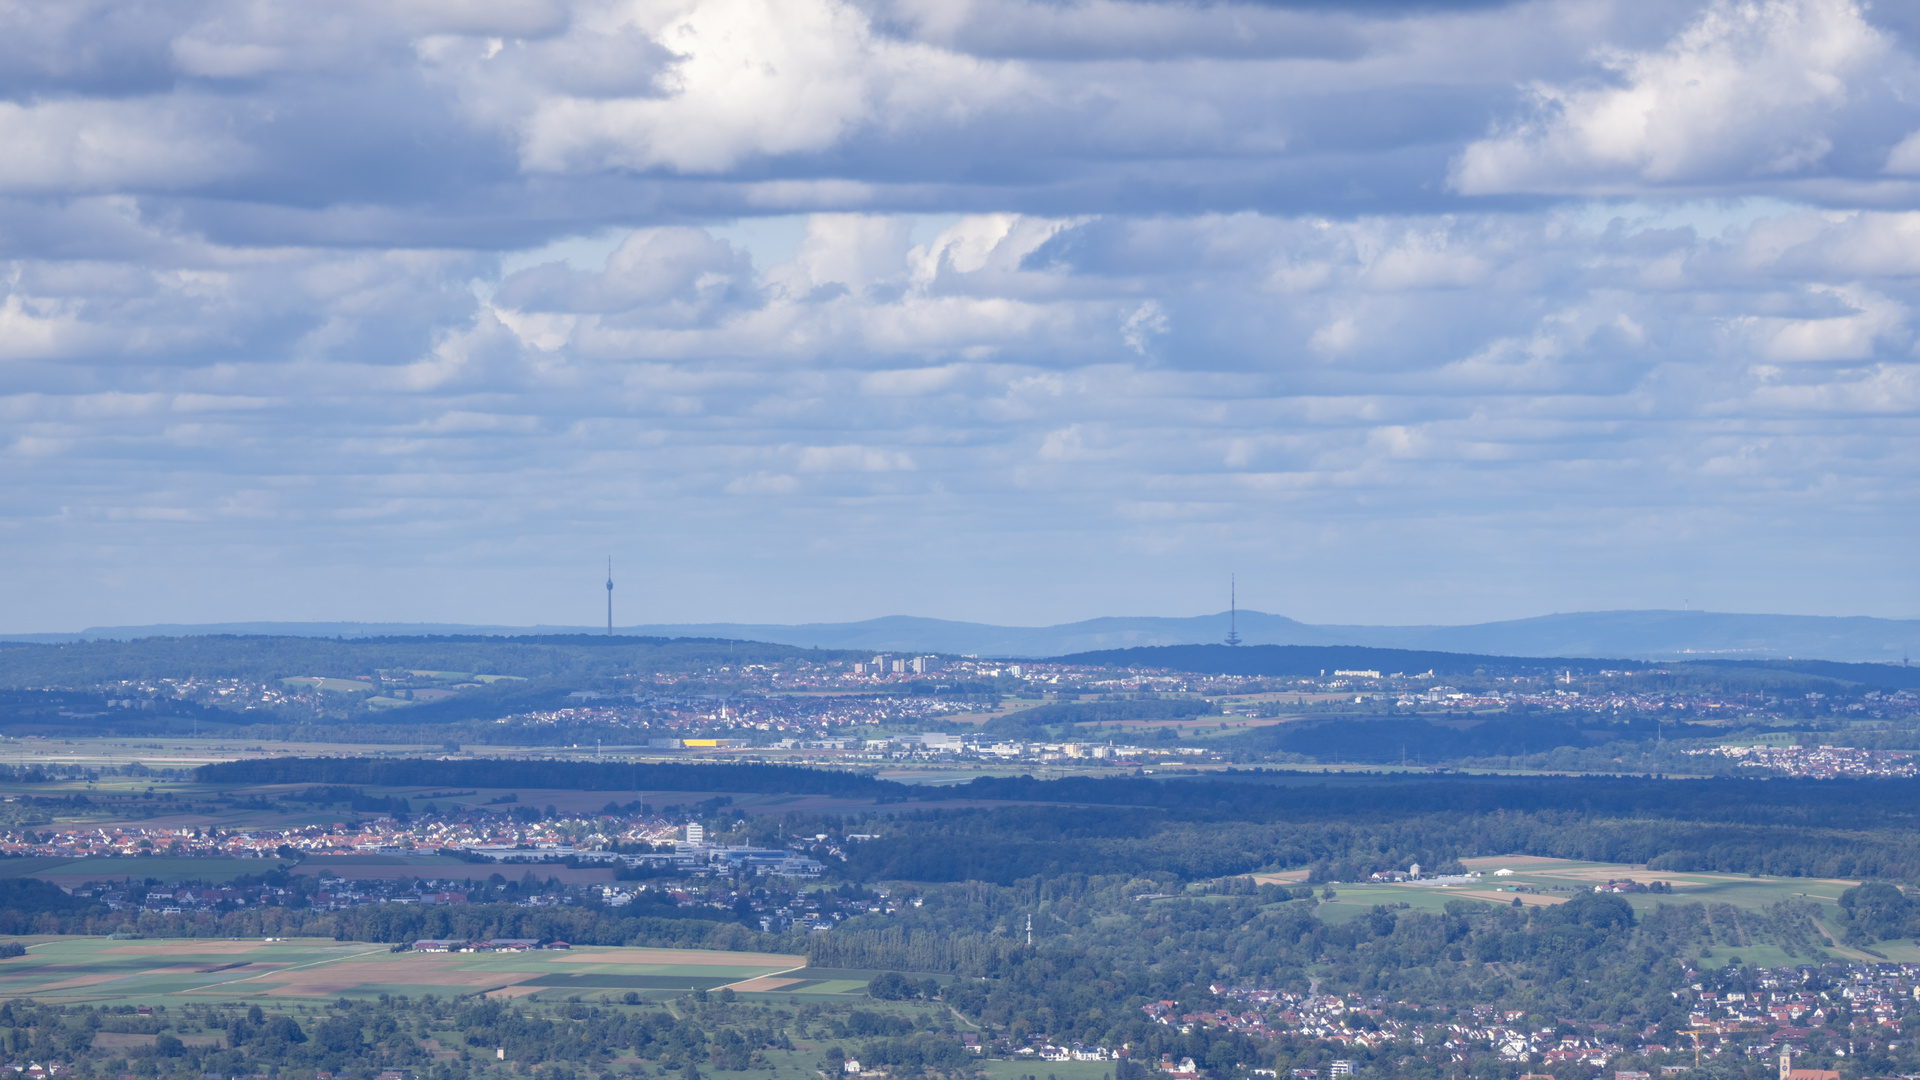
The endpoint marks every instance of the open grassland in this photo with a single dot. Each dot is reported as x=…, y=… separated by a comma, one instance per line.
x=73, y=970
x=1047, y=1070
x=1536, y=881
x=1565, y=877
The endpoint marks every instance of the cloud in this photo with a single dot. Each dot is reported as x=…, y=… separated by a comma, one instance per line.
x=853, y=459
x=1751, y=89
x=1871, y=321
x=763, y=483
x=1140, y=327
x=1904, y=159
x=1443, y=298
x=678, y=274
x=748, y=78
x=1105, y=29
x=141, y=144
x=675, y=373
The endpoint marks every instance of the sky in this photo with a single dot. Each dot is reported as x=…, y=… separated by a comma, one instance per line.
x=1012, y=311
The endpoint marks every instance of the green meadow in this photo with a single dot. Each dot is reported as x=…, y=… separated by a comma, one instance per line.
x=1536, y=880
x=1047, y=1070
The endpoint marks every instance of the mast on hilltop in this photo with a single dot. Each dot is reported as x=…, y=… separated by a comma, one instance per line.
x=1233, y=610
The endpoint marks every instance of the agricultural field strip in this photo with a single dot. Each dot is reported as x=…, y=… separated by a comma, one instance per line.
x=190, y=958
x=296, y=967
x=768, y=975
x=174, y=963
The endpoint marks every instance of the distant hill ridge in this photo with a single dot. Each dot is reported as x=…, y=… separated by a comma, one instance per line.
x=1637, y=635
x=1315, y=660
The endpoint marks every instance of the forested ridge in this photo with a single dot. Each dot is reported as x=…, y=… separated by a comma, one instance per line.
x=1305, y=660
x=263, y=657
x=1240, y=822
x=1236, y=794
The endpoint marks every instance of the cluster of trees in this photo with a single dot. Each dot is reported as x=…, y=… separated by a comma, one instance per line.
x=489, y=1039
x=1257, y=795
x=1003, y=845
x=1877, y=912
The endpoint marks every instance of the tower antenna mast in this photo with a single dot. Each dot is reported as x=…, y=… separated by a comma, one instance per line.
x=609, y=596
x=1233, y=610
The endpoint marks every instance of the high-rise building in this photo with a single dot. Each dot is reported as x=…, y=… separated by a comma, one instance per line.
x=696, y=833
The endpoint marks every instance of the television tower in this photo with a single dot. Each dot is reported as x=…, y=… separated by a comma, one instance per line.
x=1233, y=611
x=609, y=596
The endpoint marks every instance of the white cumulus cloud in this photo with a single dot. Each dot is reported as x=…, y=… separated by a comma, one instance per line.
x=1752, y=88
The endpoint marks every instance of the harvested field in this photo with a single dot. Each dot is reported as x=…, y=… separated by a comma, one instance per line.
x=765, y=984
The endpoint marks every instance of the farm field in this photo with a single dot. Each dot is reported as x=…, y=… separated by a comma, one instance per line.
x=68, y=970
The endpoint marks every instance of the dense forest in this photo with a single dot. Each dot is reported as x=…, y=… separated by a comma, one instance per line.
x=1241, y=821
